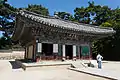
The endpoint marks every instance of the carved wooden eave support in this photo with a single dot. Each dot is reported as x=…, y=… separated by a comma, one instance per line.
x=54, y=30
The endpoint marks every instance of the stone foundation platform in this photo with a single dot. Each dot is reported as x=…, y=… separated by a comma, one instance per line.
x=43, y=64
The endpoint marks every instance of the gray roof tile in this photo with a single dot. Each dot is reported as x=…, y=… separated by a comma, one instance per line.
x=66, y=24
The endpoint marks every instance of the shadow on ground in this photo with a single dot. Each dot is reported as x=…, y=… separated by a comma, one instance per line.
x=14, y=65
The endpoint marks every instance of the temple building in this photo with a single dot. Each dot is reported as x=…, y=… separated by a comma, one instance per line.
x=52, y=38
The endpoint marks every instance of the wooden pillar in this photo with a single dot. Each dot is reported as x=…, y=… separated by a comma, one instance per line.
x=90, y=48
x=33, y=52
x=27, y=48
x=63, y=52
x=74, y=52
x=38, y=50
x=90, y=52
x=25, y=56
x=79, y=52
x=34, y=49
x=55, y=50
x=59, y=51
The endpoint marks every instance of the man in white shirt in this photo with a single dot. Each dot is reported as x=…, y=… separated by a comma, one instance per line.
x=99, y=61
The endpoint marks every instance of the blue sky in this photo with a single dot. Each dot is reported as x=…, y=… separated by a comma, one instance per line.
x=63, y=5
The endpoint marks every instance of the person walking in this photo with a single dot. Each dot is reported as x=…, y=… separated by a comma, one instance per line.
x=99, y=61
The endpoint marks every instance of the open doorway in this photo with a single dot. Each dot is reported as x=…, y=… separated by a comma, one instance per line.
x=69, y=51
x=47, y=49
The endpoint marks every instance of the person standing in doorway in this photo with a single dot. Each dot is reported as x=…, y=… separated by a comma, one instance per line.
x=99, y=61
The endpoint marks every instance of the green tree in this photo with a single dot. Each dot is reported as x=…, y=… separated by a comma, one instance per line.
x=105, y=17
x=110, y=45
x=39, y=9
x=82, y=15
x=64, y=15
x=7, y=21
x=85, y=14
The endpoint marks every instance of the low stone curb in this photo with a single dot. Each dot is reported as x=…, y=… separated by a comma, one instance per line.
x=90, y=73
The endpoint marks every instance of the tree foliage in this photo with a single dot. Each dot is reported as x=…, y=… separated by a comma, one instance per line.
x=39, y=9
x=64, y=16
x=7, y=21
x=105, y=17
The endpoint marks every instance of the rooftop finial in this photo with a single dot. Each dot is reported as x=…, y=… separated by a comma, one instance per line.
x=56, y=15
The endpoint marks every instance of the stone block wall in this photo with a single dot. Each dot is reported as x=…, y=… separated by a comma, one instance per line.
x=11, y=55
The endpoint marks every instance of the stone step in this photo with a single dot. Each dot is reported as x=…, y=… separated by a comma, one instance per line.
x=78, y=65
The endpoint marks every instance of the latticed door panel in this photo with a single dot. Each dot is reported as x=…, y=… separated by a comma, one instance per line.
x=85, y=52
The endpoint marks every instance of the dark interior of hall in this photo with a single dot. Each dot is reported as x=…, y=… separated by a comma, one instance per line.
x=47, y=49
x=69, y=51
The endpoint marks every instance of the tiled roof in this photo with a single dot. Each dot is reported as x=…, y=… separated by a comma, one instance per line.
x=55, y=22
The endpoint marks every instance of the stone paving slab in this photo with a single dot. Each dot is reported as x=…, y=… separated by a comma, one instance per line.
x=47, y=74
x=99, y=72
